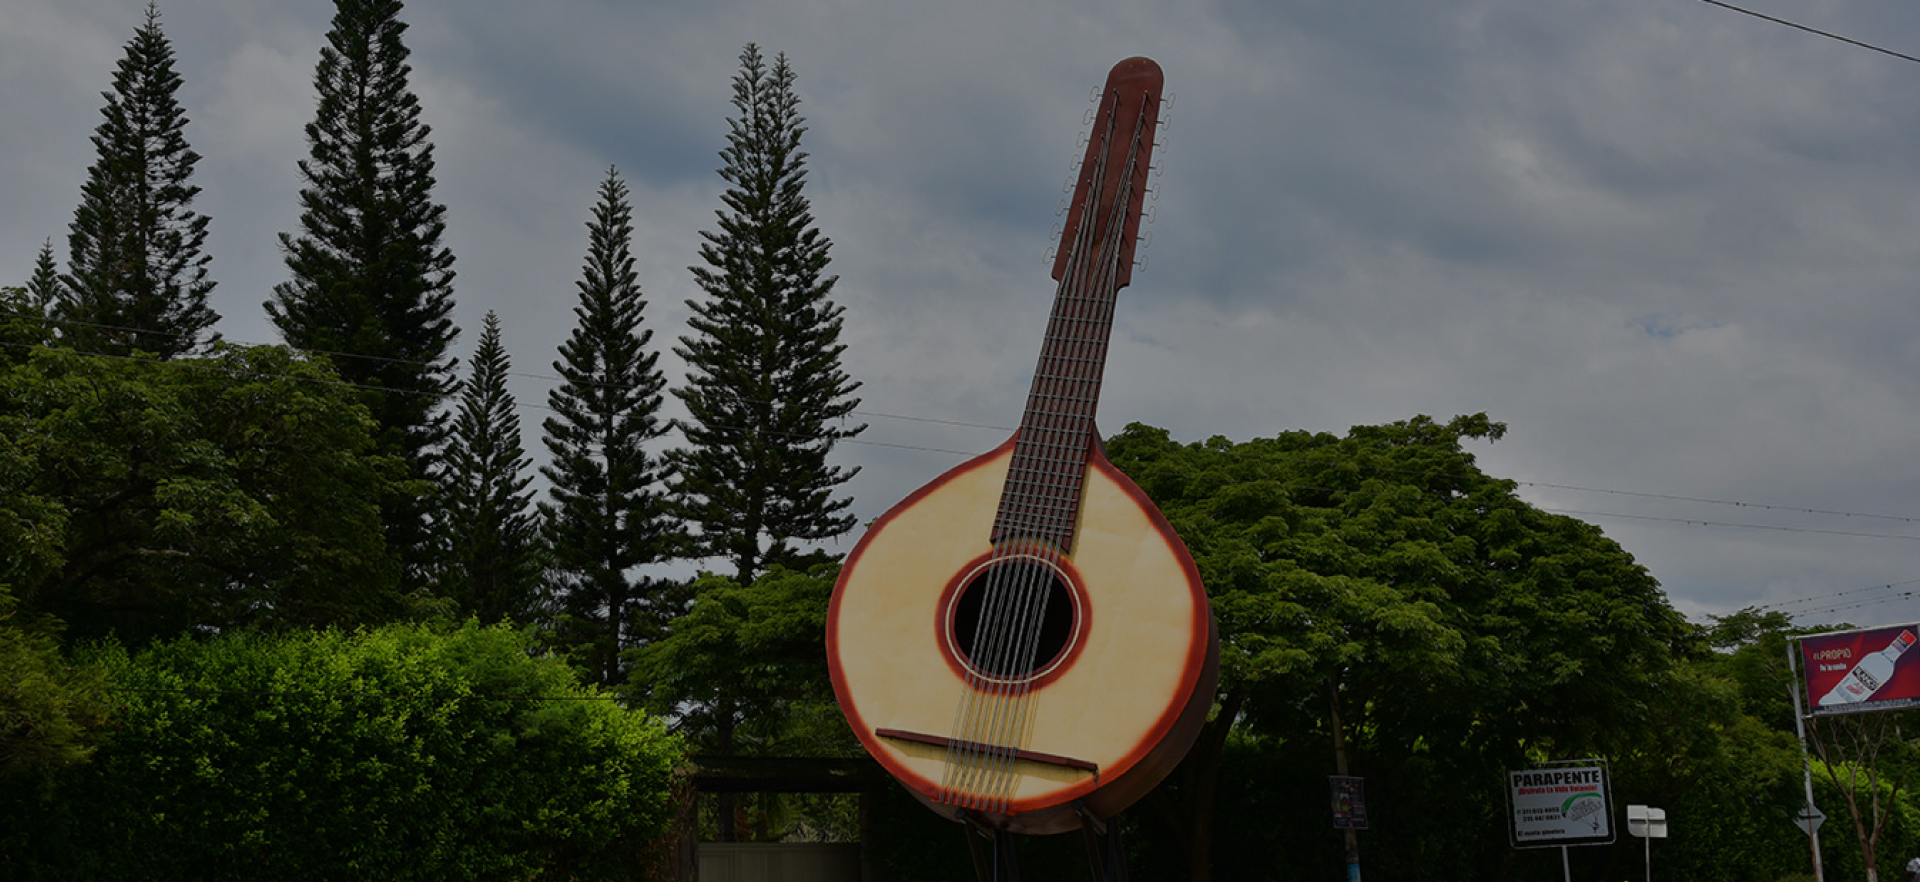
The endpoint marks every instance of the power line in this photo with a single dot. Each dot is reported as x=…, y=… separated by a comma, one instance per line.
x=1815, y=598
x=1702, y=523
x=1905, y=595
x=1781, y=21
x=1728, y=502
x=214, y=368
x=422, y=364
x=274, y=693
x=971, y=453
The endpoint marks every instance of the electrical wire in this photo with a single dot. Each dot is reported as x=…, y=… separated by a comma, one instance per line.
x=213, y=368
x=970, y=453
x=1831, y=36
x=1702, y=523
x=422, y=364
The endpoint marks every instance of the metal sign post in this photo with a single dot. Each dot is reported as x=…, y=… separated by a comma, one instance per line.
x=1810, y=813
x=1648, y=823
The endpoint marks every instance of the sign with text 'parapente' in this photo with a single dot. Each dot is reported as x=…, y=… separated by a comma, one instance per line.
x=1857, y=671
x=1560, y=805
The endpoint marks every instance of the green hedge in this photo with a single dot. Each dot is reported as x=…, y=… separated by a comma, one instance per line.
x=406, y=752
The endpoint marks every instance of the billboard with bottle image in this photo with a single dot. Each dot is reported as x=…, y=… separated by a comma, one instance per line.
x=1858, y=671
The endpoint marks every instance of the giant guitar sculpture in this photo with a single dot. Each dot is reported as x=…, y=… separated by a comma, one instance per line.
x=1024, y=642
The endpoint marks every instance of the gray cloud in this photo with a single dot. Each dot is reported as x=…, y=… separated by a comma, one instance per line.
x=1670, y=245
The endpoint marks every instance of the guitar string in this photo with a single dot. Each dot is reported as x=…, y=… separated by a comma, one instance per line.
x=986, y=779
x=985, y=703
x=1096, y=313
x=1090, y=311
x=1031, y=515
x=976, y=713
x=1061, y=424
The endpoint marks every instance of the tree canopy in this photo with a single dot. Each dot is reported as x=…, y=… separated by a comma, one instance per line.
x=765, y=390
x=371, y=284
x=490, y=553
x=608, y=513
x=137, y=279
x=1455, y=629
x=146, y=498
x=407, y=752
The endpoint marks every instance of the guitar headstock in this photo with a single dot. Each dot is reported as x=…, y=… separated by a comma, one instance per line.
x=1108, y=197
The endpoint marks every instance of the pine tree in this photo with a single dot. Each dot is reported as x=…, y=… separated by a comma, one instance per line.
x=372, y=285
x=608, y=514
x=23, y=311
x=765, y=391
x=43, y=289
x=137, y=279
x=491, y=564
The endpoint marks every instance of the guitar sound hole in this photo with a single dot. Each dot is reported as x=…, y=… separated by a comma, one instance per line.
x=1028, y=619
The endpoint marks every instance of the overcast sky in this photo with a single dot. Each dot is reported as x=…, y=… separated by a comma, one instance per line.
x=1671, y=246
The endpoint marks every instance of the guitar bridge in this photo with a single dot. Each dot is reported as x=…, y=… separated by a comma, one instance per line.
x=1051, y=759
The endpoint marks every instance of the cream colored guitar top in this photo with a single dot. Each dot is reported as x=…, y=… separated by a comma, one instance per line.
x=1024, y=642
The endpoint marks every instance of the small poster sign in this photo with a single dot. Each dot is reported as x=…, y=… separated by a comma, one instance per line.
x=1561, y=804
x=1349, y=802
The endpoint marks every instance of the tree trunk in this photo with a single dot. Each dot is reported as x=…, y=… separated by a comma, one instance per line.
x=1202, y=780
x=1859, y=751
x=1340, y=768
x=723, y=746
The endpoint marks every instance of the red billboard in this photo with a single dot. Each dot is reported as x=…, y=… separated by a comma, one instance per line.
x=1857, y=671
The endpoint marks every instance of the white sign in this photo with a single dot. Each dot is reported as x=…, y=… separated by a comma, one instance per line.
x=1560, y=805
x=1647, y=822
x=1809, y=819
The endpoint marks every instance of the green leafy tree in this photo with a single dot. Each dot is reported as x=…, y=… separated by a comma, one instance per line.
x=1378, y=594
x=22, y=327
x=491, y=554
x=145, y=498
x=758, y=644
x=372, y=284
x=137, y=278
x=51, y=709
x=406, y=752
x=744, y=664
x=765, y=391
x=608, y=515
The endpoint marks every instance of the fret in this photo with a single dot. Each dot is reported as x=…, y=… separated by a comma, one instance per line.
x=1042, y=495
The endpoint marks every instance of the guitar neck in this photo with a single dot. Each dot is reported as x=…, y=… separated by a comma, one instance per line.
x=1041, y=500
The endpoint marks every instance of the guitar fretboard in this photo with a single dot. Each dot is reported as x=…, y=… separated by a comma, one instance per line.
x=1041, y=500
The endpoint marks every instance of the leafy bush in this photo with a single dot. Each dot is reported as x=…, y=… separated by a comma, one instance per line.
x=406, y=752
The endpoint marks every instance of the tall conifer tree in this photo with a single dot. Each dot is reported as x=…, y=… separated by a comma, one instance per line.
x=43, y=289
x=765, y=391
x=491, y=563
x=372, y=285
x=608, y=515
x=137, y=278
x=23, y=311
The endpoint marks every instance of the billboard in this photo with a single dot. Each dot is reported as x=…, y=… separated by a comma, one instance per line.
x=1858, y=671
x=1560, y=805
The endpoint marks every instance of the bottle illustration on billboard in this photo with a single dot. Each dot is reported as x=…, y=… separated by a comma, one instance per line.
x=1866, y=677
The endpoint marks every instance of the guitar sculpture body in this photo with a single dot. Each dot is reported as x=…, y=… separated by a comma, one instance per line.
x=1024, y=642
